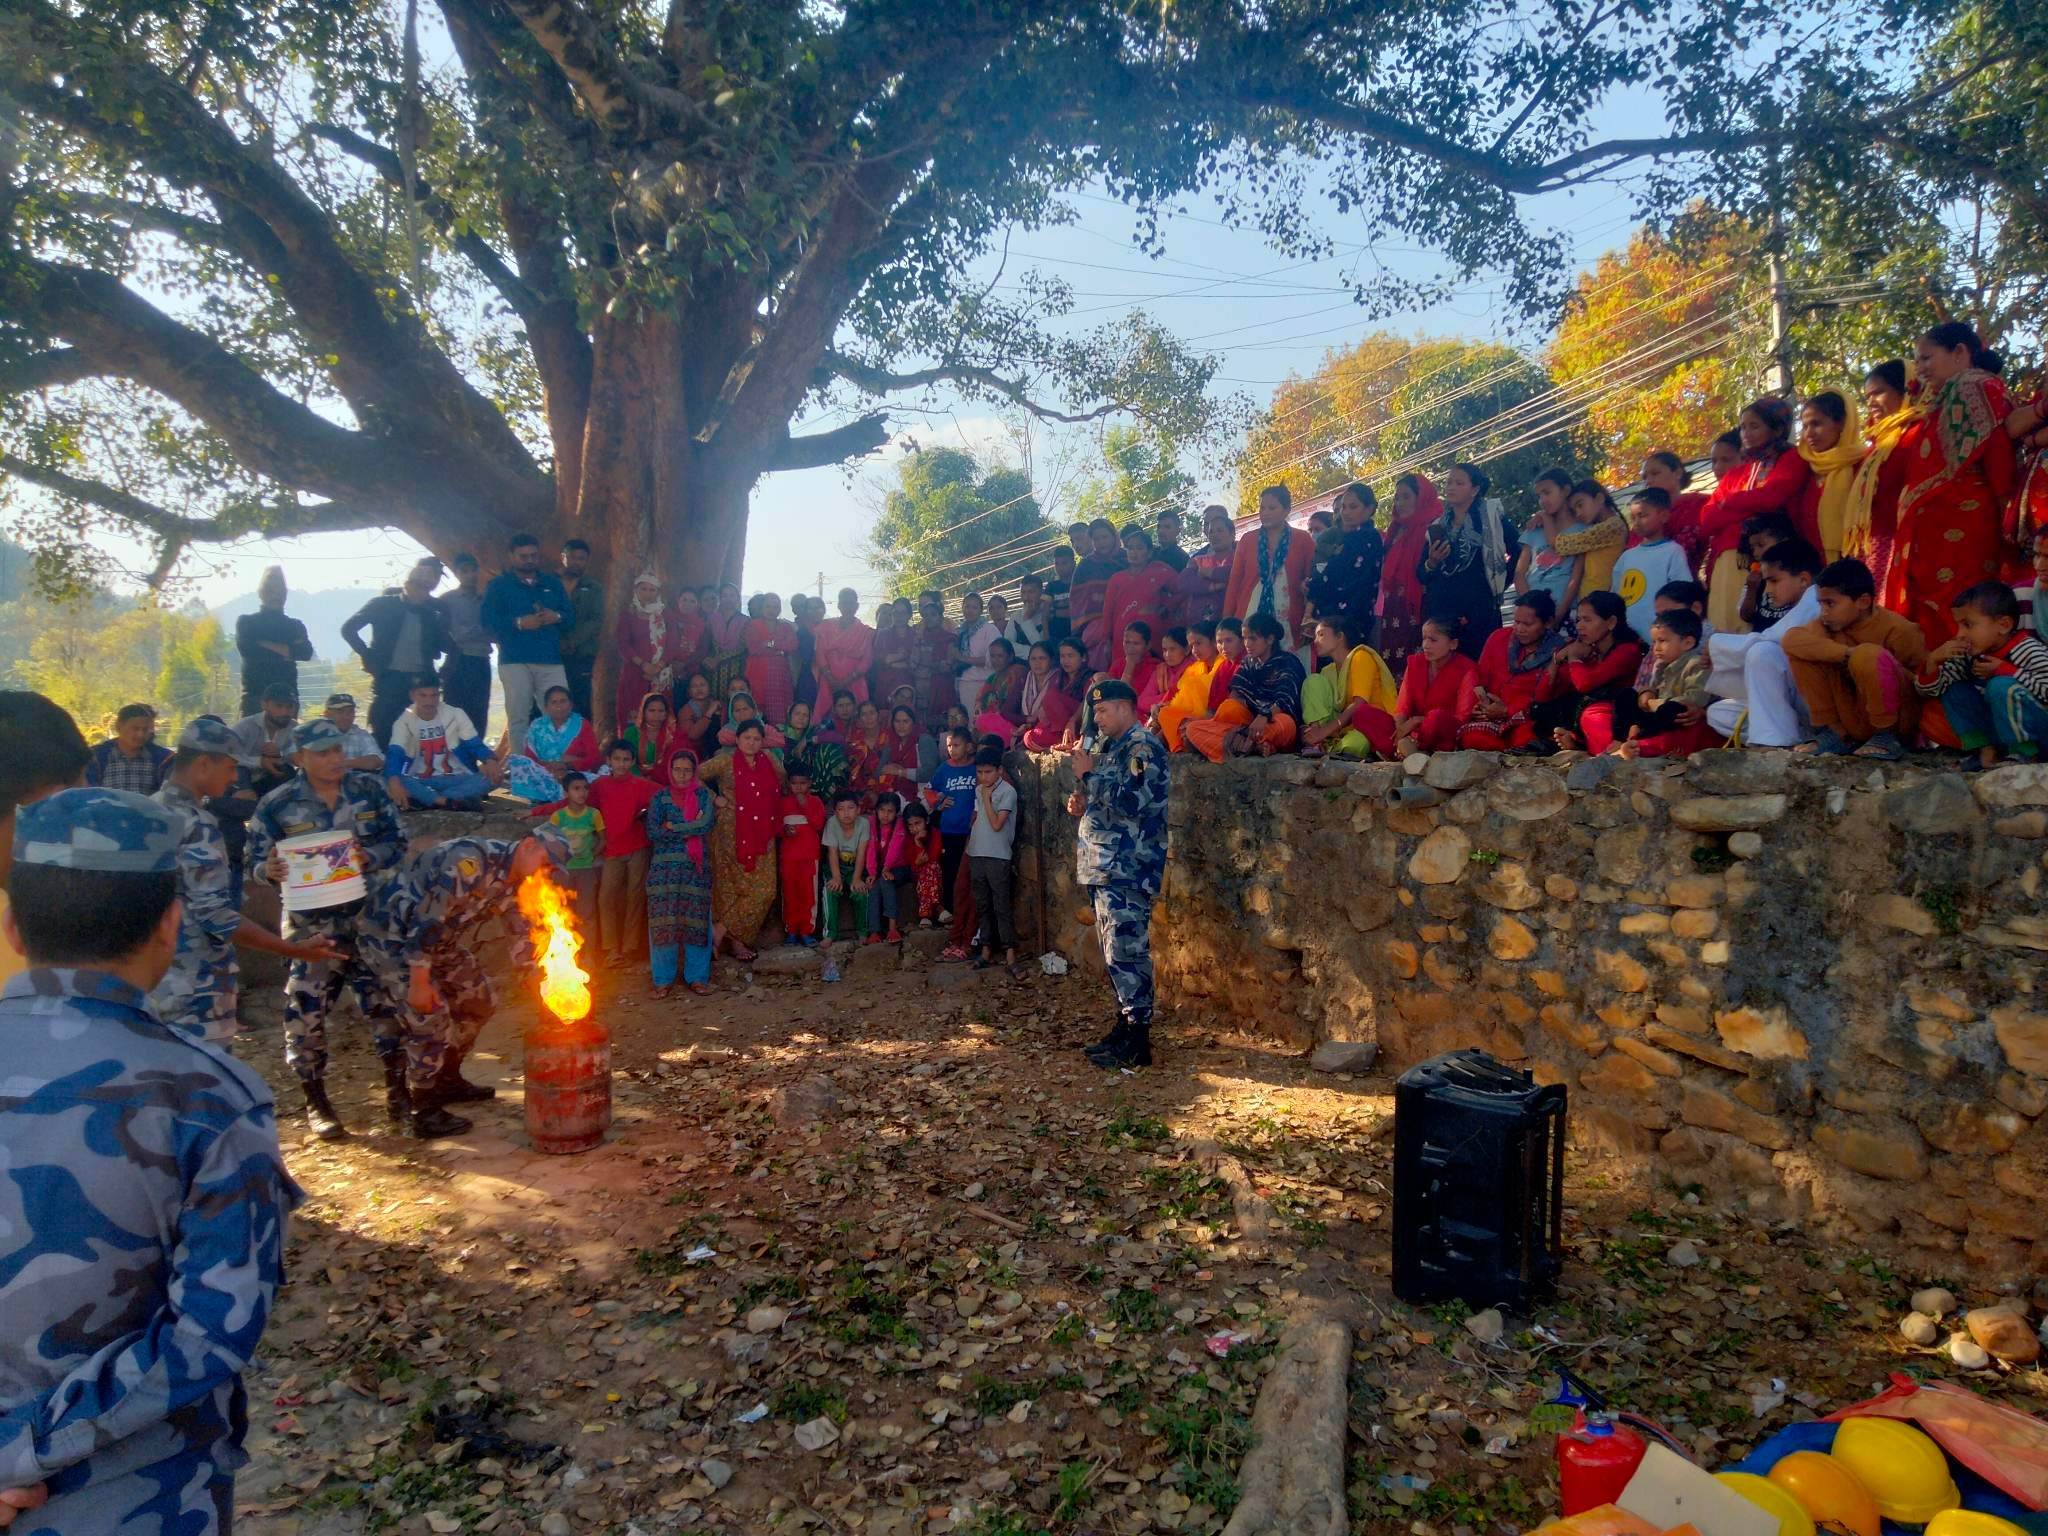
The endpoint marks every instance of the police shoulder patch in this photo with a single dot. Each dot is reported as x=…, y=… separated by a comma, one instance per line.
x=467, y=868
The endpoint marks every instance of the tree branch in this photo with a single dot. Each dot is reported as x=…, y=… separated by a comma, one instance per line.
x=879, y=381
x=189, y=227
x=524, y=301
x=46, y=370
x=619, y=100
x=819, y=450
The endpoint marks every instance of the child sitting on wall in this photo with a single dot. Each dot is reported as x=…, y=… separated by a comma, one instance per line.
x=1992, y=678
x=1854, y=667
x=1652, y=724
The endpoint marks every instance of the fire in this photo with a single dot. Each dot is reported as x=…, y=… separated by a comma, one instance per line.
x=564, y=984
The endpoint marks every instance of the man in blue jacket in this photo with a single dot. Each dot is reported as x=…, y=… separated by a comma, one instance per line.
x=524, y=609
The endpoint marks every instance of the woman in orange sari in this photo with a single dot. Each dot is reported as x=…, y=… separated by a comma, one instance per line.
x=1189, y=699
x=1263, y=712
x=1959, y=474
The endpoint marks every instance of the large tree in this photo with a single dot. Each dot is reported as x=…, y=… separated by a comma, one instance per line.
x=579, y=265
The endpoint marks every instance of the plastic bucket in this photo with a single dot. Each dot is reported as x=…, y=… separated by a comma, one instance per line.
x=321, y=869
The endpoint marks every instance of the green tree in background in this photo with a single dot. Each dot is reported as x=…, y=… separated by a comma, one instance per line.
x=195, y=677
x=956, y=524
x=1143, y=478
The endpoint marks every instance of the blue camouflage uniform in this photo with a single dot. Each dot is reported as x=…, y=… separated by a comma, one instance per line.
x=142, y=1225
x=429, y=910
x=200, y=991
x=313, y=987
x=1121, y=860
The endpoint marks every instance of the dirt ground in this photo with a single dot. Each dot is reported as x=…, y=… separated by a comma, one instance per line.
x=889, y=1257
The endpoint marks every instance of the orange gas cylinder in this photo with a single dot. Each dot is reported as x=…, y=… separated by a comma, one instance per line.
x=568, y=1083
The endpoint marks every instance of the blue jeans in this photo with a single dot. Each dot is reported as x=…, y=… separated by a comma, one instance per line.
x=445, y=789
x=1997, y=712
x=696, y=959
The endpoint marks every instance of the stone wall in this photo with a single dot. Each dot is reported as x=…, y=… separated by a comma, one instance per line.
x=1813, y=985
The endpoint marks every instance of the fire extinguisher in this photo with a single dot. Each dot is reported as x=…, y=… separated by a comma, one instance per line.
x=1595, y=1459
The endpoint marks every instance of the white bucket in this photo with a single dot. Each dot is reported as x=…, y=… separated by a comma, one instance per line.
x=321, y=869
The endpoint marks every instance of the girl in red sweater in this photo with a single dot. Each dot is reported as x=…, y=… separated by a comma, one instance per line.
x=1437, y=691
x=1590, y=677
x=1512, y=672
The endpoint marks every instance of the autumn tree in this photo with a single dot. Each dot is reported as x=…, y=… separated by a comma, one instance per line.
x=584, y=266
x=956, y=524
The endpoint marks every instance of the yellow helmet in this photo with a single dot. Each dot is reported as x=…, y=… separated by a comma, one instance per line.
x=1904, y=1470
x=1970, y=1522
x=1774, y=1501
x=1830, y=1492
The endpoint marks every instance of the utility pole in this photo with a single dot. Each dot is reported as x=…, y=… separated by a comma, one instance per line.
x=1778, y=376
x=821, y=586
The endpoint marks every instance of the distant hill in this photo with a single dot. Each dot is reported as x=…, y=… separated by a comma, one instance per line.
x=323, y=614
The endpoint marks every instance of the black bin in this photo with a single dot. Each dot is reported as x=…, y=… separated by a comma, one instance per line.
x=1478, y=1183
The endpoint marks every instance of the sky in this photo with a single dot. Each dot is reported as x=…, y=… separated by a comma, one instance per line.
x=1227, y=291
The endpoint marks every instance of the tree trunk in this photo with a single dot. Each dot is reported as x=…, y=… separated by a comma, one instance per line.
x=650, y=498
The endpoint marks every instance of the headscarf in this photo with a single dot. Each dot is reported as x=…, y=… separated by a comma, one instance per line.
x=655, y=613
x=694, y=845
x=547, y=741
x=1836, y=472
x=651, y=754
x=1400, y=587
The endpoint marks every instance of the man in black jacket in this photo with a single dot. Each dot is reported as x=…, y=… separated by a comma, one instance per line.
x=271, y=644
x=405, y=640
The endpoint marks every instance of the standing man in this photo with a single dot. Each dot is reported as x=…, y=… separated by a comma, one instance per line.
x=326, y=796
x=130, y=759
x=358, y=747
x=583, y=624
x=420, y=936
x=466, y=674
x=1058, y=596
x=145, y=1200
x=1122, y=861
x=405, y=640
x=524, y=609
x=270, y=642
x=199, y=994
x=1167, y=546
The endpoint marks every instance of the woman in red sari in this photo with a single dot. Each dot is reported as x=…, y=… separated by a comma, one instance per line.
x=1000, y=708
x=1415, y=506
x=1141, y=591
x=866, y=753
x=846, y=651
x=1136, y=663
x=649, y=641
x=1771, y=477
x=1050, y=715
x=1174, y=660
x=771, y=645
x=1959, y=475
x=1197, y=595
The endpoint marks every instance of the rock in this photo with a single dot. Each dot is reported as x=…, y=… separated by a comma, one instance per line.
x=717, y=1473
x=1745, y=845
x=766, y=1319
x=1344, y=1056
x=1403, y=958
x=1694, y=891
x=1903, y=913
x=744, y=1349
x=1510, y=889
x=1453, y=771
x=2024, y=824
x=1728, y=813
x=816, y=1434
x=2000, y=1332
x=1621, y=971
x=1373, y=781
x=2013, y=786
x=1876, y=1145
x=1528, y=794
x=786, y=960
x=1935, y=807
x=1370, y=907
x=1968, y=1129
x=1769, y=1035
x=2023, y=1036
x=1695, y=925
x=1753, y=771
x=1510, y=940
x=873, y=960
x=1588, y=773
x=1561, y=888
x=555, y=1523
x=1968, y=1354
x=1918, y=1328
x=806, y=1101
x=1414, y=764
x=1684, y=1254
x=1487, y=1327
x=1712, y=1110
x=1441, y=858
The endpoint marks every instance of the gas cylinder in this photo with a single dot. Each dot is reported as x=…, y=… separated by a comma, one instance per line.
x=568, y=1083
x=1595, y=1459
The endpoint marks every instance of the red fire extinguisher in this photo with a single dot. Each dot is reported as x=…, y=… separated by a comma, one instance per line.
x=1595, y=1459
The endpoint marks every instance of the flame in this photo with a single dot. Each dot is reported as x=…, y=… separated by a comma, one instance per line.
x=564, y=984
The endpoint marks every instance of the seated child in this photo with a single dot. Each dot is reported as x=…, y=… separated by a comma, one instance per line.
x=844, y=844
x=798, y=823
x=1992, y=678
x=1854, y=667
x=1690, y=596
x=1760, y=535
x=1652, y=723
x=886, y=894
x=1757, y=704
x=1512, y=671
x=579, y=821
x=1591, y=677
x=1438, y=688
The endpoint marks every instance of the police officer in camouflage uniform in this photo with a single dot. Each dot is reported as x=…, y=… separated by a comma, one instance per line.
x=326, y=795
x=200, y=991
x=143, y=1210
x=1121, y=860
x=420, y=937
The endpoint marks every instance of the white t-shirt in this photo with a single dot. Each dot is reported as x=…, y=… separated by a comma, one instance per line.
x=988, y=842
x=429, y=745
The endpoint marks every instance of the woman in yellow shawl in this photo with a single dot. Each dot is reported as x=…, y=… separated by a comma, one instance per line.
x=1832, y=445
x=1352, y=674
x=1190, y=699
x=1871, y=520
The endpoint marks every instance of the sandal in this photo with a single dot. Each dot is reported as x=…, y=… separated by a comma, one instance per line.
x=700, y=988
x=952, y=952
x=1884, y=747
x=660, y=993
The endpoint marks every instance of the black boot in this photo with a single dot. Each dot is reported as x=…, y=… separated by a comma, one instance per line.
x=430, y=1120
x=1111, y=1044
x=397, y=1102
x=320, y=1116
x=1135, y=1052
x=451, y=1087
